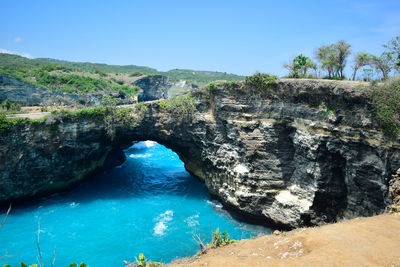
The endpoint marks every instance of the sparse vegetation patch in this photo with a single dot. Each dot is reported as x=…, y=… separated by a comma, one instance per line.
x=181, y=105
x=260, y=81
x=386, y=99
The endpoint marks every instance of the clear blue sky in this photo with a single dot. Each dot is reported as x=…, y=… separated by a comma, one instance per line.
x=233, y=36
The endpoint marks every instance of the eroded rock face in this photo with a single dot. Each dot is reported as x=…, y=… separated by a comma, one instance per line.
x=157, y=87
x=394, y=191
x=302, y=152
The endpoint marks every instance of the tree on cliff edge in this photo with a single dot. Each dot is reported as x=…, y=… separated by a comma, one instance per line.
x=360, y=60
x=300, y=66
x=393, y=48
x=333, y=58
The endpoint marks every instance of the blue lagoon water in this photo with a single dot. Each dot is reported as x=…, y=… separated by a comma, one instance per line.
x=150, y=204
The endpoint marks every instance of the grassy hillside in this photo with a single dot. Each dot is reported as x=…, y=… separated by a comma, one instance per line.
x=15, y=66
x=64, y=78
x=87, y=66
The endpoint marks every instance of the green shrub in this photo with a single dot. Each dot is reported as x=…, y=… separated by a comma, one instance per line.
x=124, y=116
x=112, y=116
x=108, y=100
x=128, y=90
x=100, y=72
x=219, y=240
x=180, y=105
x=141, y=108
x=228, y=85
x=136, y=74
x=6, y=124
x=10, y=106
x=52, y=67
x=330, y=109
x=260, y=81
x=86, y=113
x=212, y=88
x=80, y=265
x=386, y=100
x=156, y=75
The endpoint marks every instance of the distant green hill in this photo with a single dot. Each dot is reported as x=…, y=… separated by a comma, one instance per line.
x=64, y=77
x=87, y=66
x=10, y=63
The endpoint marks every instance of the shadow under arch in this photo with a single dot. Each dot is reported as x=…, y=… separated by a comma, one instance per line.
x=127, y=178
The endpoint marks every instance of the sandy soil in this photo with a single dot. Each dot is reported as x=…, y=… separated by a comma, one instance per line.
x=32, y=112
x=371, y=241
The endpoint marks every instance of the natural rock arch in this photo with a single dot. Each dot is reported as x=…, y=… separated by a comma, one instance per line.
x=274, y=154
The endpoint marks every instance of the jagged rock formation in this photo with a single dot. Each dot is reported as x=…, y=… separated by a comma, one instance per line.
x=394, y=191
x=28, y=94
x=157, y=86
x=300, y=152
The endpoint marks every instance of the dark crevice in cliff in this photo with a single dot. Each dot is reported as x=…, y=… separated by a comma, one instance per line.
x=330, y=199
x=285, y=150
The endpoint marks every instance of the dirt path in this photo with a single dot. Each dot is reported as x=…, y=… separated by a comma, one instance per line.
x=371, y=241
x=35, y=113
x=32, y=115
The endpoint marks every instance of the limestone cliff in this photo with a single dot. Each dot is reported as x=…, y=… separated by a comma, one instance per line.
x=299, y=152
x=156, y=86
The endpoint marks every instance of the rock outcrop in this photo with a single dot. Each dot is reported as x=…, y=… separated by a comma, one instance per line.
x=157, y=86
x=300, y=152
x=394, y=191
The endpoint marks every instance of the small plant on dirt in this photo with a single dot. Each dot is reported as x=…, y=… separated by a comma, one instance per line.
x=219, y=240
x=80, y=265
x=142, y=262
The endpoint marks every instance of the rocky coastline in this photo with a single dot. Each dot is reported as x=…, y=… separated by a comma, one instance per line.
x=300, y=152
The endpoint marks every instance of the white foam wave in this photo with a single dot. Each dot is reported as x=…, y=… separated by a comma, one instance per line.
x=150, y=143
x=144, y=144
x=162, y=220
x=74, y=204
x=159, y=228
x=147, y=155
x=191, y=221
x=215, y=204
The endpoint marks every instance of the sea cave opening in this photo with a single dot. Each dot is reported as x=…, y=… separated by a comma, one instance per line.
x=150, y=204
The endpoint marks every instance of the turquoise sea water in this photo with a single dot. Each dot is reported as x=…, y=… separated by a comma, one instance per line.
x=149, y=204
